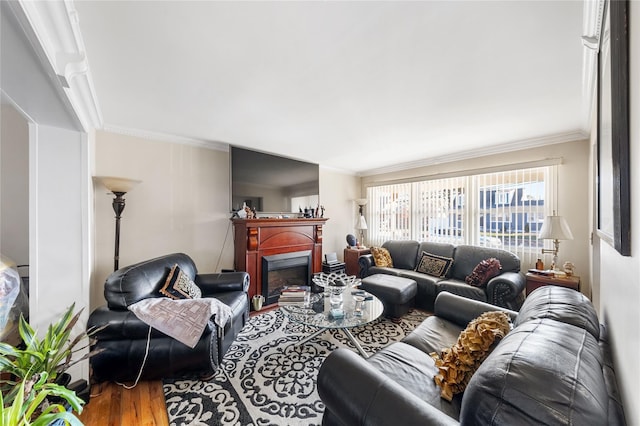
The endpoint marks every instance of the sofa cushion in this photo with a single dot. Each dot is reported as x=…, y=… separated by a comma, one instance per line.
x=403, y=252
x=467, y=257
x=132, y=283
x=456, y=365
x=483, y=272
x=432, y=264
x=179, y=285
x=434, y=334
x=382, y=257
x=426, y=293
x=462, y=289
x=560, y=304
x=542, y=372
x=440, y=249
x=414, y=371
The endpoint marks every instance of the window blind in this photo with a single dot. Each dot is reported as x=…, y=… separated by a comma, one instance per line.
x=502, y=209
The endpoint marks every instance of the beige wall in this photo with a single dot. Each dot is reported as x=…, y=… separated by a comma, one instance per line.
x=14, y=190
x=619, y=283
x=337, y=192
x=573, y=192
x=182, y=205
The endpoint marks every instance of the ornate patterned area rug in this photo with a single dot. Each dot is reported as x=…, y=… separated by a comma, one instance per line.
x=267, y=378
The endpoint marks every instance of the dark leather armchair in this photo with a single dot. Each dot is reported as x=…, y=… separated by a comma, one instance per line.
x=124, y=340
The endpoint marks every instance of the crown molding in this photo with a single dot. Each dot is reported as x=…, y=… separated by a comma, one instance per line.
x=481, y=152
x=57, y=32
x=593, y=14
x=166, y=137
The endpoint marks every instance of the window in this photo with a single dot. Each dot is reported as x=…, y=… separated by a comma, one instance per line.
x=502, y=209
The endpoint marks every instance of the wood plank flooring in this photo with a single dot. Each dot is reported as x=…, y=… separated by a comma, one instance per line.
x=113, y=405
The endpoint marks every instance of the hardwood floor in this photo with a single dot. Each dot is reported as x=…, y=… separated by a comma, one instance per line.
x=113, y=405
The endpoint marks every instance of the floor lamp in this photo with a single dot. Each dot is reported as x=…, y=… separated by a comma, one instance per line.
x=118, y=187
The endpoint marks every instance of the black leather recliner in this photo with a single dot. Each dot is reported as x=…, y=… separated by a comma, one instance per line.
x=124, y=340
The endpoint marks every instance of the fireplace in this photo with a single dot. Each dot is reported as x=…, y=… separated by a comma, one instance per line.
x=282, y=270
x=256, y=238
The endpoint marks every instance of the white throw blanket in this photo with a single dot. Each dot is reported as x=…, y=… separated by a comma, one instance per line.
x=183, y=319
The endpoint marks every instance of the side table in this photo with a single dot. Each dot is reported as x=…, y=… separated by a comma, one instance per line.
x=534, y=281
x=351, y=256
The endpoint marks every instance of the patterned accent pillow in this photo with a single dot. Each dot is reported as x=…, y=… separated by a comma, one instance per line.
x=382, y=257
x=432, y=264
x=178, y=285
x=457, y=364
x=483, y=272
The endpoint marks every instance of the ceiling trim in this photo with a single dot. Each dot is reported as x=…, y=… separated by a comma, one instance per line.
x=165, y=137
x=490, y=150
x=593, y=11
x=56, y=29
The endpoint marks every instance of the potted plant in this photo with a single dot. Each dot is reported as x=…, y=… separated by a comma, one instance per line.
x=31, y=404
x=34, y=379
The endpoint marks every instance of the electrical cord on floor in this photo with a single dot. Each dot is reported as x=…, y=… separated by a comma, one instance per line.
x=223, y=244
x=144, y=361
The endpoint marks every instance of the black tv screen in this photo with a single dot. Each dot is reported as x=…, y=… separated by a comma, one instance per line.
x=272, y=184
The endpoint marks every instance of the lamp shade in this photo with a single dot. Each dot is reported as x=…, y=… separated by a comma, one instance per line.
x=361, y=223
x=116, y=184
x=555, y=228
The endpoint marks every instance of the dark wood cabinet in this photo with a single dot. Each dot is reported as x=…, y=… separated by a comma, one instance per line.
x=351, y=256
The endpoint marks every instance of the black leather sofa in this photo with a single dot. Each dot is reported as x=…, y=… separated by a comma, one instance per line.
x=554, y=368
x=505, y=290
x=124, y=340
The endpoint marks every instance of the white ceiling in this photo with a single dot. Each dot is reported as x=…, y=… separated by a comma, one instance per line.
x=355, y=86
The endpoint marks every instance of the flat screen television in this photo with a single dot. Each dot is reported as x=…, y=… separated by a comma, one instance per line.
x=273, y=185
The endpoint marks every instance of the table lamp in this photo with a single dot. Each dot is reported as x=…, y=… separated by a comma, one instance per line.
x=555, y=228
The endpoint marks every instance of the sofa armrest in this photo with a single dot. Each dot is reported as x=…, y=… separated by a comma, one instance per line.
x=222, y=282
x=506, y=290
x=357, y=394
x=461, y=310
x=365, y=261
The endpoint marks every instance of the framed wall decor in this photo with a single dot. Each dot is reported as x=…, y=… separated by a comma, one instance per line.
x=613, y=175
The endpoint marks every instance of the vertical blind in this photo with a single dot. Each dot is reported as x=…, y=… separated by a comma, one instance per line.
x=502, y=209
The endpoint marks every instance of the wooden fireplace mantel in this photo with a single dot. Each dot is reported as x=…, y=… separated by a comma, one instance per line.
x=255, y=238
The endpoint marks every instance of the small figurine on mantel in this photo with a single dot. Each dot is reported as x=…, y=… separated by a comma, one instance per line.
x=251, y=213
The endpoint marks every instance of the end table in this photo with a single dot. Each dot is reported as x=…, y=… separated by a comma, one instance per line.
x=534, y=281
x=351, y=256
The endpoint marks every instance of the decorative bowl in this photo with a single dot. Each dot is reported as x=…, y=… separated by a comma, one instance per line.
x=334, y=284
x=338, y=280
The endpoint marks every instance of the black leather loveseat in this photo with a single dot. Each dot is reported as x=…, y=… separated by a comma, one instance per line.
x=505, y=290
x=554, y=368
x=124, y=340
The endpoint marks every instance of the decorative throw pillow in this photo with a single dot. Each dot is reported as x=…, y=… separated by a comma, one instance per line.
x=457, y=364
x=483, y=272
x=382, y=257
x=178, y=285
x=435, y=265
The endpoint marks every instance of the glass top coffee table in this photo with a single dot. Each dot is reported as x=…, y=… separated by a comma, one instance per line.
x=318, y=313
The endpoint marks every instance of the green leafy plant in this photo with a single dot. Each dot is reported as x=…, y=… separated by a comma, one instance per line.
x=28, y=384
x=30, y=404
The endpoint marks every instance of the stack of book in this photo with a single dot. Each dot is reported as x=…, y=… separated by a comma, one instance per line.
x=292, y=295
